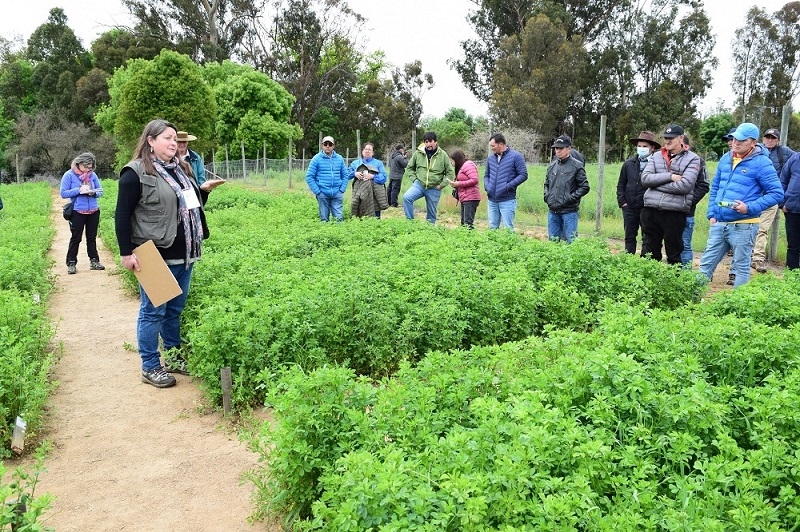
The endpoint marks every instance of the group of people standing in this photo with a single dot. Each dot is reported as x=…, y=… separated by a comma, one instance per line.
x=430, y=169
x=660, y=187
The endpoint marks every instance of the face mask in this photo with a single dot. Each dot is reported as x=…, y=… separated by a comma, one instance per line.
x=642, y=152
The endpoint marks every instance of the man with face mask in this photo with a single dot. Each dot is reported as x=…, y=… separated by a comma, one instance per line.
x=630, y=192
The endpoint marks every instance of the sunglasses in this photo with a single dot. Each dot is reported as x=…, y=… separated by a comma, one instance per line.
x=327, y=143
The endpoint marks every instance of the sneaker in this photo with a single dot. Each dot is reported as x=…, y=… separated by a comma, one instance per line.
x=72, y=269
x=761, y=266
x=731, y=279
x=95, y=265
x=176, y=365
x=158, y=378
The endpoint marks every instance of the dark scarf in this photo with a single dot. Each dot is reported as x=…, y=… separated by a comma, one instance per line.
x=192, y=226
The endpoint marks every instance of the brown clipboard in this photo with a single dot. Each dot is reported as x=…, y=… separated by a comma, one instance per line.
x=157, y=281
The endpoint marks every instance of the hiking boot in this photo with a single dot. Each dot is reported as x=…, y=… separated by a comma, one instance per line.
x=760, y=266
x=731, y=279
x=95, y=265
x=72, y=268
x=177, y=365
x=158, y=378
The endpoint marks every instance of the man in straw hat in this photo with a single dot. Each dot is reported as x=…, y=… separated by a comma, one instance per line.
x=630, y=192
x=190, y=156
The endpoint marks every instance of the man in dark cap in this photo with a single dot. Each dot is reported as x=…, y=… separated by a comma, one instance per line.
x=630, y=192
x=778, y=155
x=564, y=185
x=429, y=168
x=397, y=166
x=669, y=177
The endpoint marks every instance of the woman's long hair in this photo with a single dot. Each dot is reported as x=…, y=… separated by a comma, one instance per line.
x=458, y=157
x=143, y=151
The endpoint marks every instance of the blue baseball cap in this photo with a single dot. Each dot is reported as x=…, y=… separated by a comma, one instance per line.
x=746, y=131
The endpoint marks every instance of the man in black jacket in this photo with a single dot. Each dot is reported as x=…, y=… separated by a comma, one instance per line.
x=699, y=192
x=564, y=185
x=630, y=192
x=397, y=166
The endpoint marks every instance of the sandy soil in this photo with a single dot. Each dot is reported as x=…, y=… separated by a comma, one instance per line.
x=128, y=456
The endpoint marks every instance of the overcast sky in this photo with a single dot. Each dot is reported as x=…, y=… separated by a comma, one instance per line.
x=427, y=31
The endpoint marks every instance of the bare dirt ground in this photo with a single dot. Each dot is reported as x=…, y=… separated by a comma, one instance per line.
x=128, y=456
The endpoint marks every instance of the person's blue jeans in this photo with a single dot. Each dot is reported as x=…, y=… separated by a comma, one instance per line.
x=502, y=211
x=330, y=205
x=164, y=320
x=724, y=236
x=686, y=254
x=417, y=191
x=562, y=226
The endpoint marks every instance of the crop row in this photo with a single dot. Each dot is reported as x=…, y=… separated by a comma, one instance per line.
x=25, y=332
x=682, y=419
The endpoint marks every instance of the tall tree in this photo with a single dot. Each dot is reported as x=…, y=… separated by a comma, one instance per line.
x=205, y=30
x=538, y=76
x=311, y=49
x=59, y=62
x=767, y=50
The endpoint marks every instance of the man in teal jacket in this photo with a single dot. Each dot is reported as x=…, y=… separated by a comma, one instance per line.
x=327, y=179
x=429, y=168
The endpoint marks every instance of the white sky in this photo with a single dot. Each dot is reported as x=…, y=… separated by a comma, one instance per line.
x=406, y=31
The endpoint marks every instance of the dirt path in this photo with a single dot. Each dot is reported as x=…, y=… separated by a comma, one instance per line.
x=126, y=455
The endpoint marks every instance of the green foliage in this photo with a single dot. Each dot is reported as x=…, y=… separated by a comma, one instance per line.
x=170, y=86
x=310, y=294
x=21, y=509
x=653, y=420
x=713, y=129
x=255, y=110
x=25, y=330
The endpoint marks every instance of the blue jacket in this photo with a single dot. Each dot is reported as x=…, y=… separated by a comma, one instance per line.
x=198, y=169
x=70, y=189
x=753, y=181
x=779, y=155
x=327, y=175
x=501, y=179
x=380, y=177
x=790, y=179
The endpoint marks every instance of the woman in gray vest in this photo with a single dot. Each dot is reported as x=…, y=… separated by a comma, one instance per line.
x=159, y=200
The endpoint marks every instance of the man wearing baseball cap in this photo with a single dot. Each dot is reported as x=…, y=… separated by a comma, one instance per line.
x=565, y=184
x=327, y=179
x=744, y=185
x=778, y=155
x=669, y=176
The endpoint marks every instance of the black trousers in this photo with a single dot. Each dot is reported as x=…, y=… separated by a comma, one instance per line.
x=792, y=220
x=468, y=210
x=666, y=226
x=631, y=221
x=394, y=191
x=77, y=224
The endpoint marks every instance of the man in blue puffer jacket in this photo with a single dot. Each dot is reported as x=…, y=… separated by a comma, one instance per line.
x=744, y=185
x=327, y=179
x=505, y=171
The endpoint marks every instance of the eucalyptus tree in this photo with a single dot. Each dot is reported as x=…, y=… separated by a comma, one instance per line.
x=205, y=30
x=634, y=49
x=767, y=51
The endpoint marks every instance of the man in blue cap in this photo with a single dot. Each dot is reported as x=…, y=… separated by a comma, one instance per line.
x=744, y=185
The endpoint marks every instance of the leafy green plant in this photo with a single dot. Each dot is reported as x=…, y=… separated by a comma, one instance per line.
x=22, y=509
